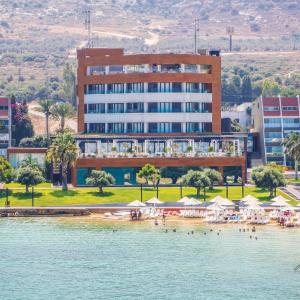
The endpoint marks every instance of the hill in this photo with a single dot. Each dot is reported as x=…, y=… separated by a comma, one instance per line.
x=38, y=37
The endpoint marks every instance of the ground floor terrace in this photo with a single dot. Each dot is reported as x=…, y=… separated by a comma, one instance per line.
x=123, y=156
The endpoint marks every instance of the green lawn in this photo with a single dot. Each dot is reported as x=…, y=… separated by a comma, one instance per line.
x=51, y=197
x=14, y=185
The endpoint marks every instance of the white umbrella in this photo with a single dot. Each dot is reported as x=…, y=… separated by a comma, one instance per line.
x=248, y=200
x=279, y=201
x=136, y=203
x=222, y=201
x=191, y=202
x=183, y=200
x=216, y=207
x=254, y=206
x=154, y=201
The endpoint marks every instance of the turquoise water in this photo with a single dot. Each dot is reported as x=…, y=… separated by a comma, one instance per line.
x=65, y=259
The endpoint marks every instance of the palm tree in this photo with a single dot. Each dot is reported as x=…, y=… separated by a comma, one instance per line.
x=62, y=111
x=292, y=149
x=63, y=151
x=45, y=107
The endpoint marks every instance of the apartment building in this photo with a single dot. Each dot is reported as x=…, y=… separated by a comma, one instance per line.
x=275, y=118
x=163, y=109
x=5, y=125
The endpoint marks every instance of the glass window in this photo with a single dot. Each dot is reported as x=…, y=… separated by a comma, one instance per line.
x=152, y=127
x=176, y=127
x=192, y=87
x=97, y=128
x=207, y=69
x=176, y=87
x=152, y=107
x=115, y=108
x=96, y=108
x=289, y=108
x=271, y=108
x=3, y=107
x=170, y=68
x=153, y=87
x=115, y=69
x=135, y=127
x=135, y=87
x=136, y=107
x=95, y=70
x=115, y=88
x=136, y=68
x=192, y=107
x=191, y=68
x=95, y=89
x=115, y=127
x=192, y=127
x=176, y=107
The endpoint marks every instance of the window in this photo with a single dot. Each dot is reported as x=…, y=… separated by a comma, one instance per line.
x=207, y=69
x=115, y=128
x=274, y=149
x=135, y=87
x=3, y=107
x=153, y=87
x=176, y=107
x=95, y=70
x=97, y=128
x=152, y=107
x=206, y=88
x=289, y=108
x=136, y=68
x=115, y=88
x=207, y=107
x=272, y=122
x=191, y=68
x=152, y=127
x=95, y=89
x=136, y=107
x=3, y=126
x=192, y=87
x=115, y=69
x=192, y=127
x=135, y=127
x=170, y=68
x=192, y=107
x=115, y=108
x=96, y=108
x=290, y=122
x=176, y=127
x=206, y=127
x=273, y=135
x=271, y=108
x=176, y=87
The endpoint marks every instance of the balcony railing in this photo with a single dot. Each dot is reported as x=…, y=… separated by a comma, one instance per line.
x=162, y=155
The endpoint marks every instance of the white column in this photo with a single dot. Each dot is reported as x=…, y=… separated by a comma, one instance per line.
x=98, y=148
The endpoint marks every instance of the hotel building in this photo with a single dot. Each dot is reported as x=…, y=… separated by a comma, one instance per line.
x=163, y=109
x=5, y=125
x=274, y=118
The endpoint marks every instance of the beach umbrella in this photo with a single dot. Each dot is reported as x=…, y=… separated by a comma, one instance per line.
x=191, y=202
x=154, y=201
x=222, y=201
x=248, y=200
x=136, y=203
x=183, y=200
x=215, y=207
x=279, y=201
x=254, y=206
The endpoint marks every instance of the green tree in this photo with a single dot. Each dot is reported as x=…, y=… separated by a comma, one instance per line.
x=246, y=89
x=45, y=107
x=5, y=170
x=196, y=179
x=69, y=84
x=292, y=149
x=173, y=173
x=100, y=179
x=148, y=172
x=62, y=111
x=214, y=176
x=37, y=141
x=268, y=178
x=64, y=152
x=270, y=88
x=29, y=176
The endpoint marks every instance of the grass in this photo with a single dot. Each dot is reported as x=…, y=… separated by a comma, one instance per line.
x=51, y=197
x=14, y=185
